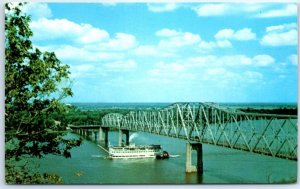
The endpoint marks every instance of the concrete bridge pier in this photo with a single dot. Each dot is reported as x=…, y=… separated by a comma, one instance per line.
x=92, y=134
x=121, y=132
x=190, y=168
x=103, y=134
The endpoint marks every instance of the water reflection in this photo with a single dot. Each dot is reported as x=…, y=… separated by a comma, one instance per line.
x=191, y=178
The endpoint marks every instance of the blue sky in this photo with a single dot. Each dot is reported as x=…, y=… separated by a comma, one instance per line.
x=139, y=52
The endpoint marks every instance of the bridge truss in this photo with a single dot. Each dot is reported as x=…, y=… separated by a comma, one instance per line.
x=268, y=134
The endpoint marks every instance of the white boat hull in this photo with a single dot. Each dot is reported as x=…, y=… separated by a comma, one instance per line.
x=134, y=152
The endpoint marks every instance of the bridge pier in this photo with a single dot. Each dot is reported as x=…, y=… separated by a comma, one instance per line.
x=100, y=134
x=121, y=132
x=103, y=134
x=189, y=166
x=92, y=135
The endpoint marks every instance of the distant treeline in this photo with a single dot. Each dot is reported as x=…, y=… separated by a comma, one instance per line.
x=278, y=111
x=78, y=116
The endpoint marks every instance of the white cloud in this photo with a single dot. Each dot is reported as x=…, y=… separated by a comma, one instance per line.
x=211, y=68
x=171, y=67
x=75, y=54
x=166, y=70
x=201, y=61
x=98, y=69
x=224, y=34
x=235, y=60
x=82, y=34
x=257, y=10
x=263, y=60
x=280, y=39
x=282, y=27
x=221, y=9
x=170, y=41
x=224, y=43
x=151, y=50
x=167, y=33
x=146, y=50
x=93, y=35
x=162, y=69
x=212, y=9
x=173, y=39
x=84, y=67
x=37, y=10
x=174, y=72
x=207, y=45
x=252, y=77
x=280, y=35
x=122, y=41
x=82, y=70
x=253, y=7
x=287, y=10
x=123, y=65
x=216, y=71
x=45, y=29
x=224, y=76
x=293, y=59
x=162, y=7
x=203, y=45
x=244, y=34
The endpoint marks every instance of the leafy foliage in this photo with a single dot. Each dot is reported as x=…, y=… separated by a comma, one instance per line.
x=34, y=87
x=278, y=111
x=21, y=173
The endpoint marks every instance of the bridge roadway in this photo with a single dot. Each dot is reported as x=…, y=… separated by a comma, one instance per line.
x=208, y=123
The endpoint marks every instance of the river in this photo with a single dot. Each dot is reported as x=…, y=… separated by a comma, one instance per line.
x=89, y=165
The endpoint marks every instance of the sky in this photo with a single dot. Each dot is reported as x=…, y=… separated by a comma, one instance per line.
x=172, y=52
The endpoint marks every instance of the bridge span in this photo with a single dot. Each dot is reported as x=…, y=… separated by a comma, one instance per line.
x=209, y=123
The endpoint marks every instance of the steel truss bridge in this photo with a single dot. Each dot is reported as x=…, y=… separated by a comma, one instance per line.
x=208, y=123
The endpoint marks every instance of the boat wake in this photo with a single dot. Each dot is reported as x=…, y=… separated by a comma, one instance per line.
x=174, y=156
x=99, y=156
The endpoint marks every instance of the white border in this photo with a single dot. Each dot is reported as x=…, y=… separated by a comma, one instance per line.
x=203, y=186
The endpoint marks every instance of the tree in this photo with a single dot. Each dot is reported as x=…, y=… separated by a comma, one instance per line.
x=34, y=87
